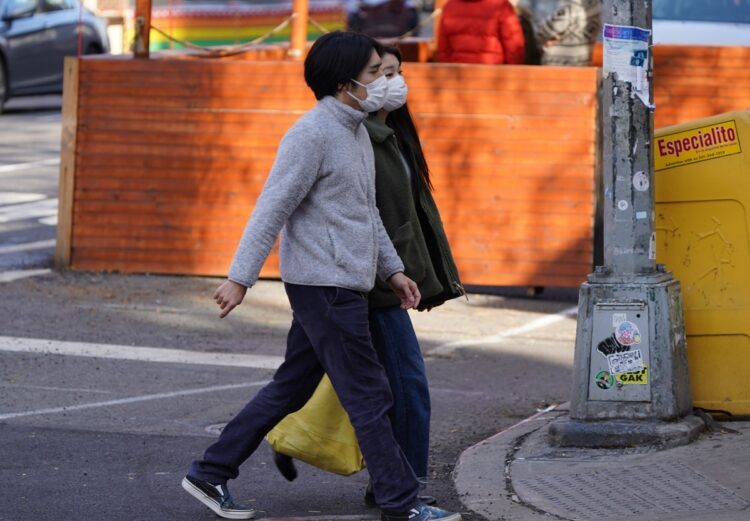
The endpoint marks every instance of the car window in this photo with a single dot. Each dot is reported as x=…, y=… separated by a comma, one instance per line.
x=728, y=11
x=15, y=5
x=47, y=6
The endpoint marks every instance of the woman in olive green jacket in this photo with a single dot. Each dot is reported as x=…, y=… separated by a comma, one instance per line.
x=411, y=218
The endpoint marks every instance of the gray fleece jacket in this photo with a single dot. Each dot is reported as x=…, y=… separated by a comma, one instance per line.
x=320, y=194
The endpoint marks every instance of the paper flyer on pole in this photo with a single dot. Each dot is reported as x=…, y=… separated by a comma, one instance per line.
x=626, y=53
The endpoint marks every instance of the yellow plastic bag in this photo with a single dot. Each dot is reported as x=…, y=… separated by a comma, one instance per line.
x=320, y=434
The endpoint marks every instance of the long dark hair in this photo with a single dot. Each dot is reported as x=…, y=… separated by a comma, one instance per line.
x=401, y=122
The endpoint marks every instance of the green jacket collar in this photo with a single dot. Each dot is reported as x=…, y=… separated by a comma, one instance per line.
x=378, y=131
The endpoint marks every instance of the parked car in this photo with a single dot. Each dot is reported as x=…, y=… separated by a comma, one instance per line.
x=35, y=37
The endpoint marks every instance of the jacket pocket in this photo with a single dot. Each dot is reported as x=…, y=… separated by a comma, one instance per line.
x=407, y=247
x=333, y=245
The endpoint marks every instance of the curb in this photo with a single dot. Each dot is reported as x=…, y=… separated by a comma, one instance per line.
x=486, y=488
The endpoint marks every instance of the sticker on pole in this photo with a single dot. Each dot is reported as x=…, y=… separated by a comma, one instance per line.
x=628, y=334
x=625, y=362
x=640, y=181
x=626, y=54
x=633, y=378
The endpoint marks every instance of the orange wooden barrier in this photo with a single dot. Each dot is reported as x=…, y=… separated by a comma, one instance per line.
x=163, y=159
x=170, y=156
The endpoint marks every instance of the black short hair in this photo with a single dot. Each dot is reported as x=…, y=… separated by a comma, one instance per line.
x=336, y=58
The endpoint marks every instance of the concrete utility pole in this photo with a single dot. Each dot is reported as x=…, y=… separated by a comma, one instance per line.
x=631, y=377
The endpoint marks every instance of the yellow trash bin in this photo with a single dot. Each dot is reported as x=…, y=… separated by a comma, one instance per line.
x=702, y=191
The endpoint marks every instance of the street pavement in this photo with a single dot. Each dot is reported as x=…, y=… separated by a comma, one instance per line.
x=110, y=384
x=518, y=475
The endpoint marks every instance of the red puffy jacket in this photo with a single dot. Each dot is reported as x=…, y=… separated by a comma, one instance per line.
x=480, y=31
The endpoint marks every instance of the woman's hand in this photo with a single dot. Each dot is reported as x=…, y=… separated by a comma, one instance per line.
x=406, y=289
x=228, y=296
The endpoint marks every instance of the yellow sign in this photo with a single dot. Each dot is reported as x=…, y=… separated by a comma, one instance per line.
x=634, y=378
x=697, y=144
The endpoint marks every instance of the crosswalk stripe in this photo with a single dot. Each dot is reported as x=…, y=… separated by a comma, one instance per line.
x=15, y=167
x=142, y=354
x=31, y=210
x=28, y=246
x=10, y=276
x=132, y=399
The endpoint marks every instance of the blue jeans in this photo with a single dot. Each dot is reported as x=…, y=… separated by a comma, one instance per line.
x=329, y=333
x=398, y=350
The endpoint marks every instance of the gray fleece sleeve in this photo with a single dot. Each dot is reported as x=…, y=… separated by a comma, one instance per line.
x=295, y=170
x=389, y=263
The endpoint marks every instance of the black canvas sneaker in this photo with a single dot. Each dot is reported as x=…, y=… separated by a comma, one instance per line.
x=421, y=512
x=217, y=498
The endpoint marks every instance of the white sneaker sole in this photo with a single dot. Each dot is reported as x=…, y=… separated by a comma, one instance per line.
x=210, y=503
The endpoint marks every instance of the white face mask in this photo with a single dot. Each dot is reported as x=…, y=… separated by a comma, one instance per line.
x=397, y=91
x=377, y=92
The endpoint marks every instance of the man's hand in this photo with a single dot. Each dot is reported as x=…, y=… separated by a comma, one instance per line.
x=406, y=289
x=228, y=296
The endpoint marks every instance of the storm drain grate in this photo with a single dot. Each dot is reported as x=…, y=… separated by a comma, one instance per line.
x=631, y=491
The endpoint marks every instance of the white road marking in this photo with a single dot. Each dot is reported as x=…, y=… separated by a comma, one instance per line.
x=31, y=210
x=10, y=276
x=539, y=415
x=4, y=169
x=451, y=347
x=28, y=246
x=132, y=399
x=19, y=197
x=48, y=388
x=141, y=354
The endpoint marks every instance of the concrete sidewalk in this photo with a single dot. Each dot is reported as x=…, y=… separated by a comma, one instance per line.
x=517, y=475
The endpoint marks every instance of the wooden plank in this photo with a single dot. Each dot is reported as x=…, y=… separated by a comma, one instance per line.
x=66, y=185
x=222, y=181
x=202, y=103
x=191, y=67
x=167, y=267
x=493, y=272
x=217, y=229
x=263, y=144
x=219, y=258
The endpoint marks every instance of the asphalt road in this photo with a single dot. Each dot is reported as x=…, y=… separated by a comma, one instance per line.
x=111, y=384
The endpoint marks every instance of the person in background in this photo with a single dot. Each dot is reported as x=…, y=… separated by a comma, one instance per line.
x=382, y=18
x=320, y=194
x=411, y=218
x=480, y=31
x=533, y=51
x=568, y=36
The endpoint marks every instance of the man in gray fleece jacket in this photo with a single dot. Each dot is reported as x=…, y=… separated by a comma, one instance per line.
x=320, y=194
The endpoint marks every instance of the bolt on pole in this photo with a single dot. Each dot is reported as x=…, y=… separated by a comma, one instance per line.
x=631, y=382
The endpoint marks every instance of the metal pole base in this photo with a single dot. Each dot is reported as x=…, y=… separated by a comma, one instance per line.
x=630, y=358
x=624, y=433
